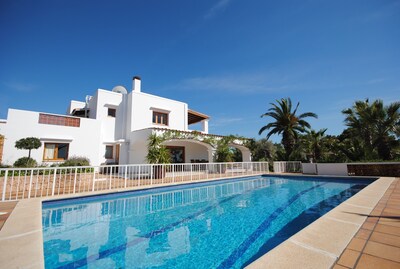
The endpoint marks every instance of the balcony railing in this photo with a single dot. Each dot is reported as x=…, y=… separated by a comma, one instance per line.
x=23, y=183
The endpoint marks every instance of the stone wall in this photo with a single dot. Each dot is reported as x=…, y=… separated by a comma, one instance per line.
x=374, y=169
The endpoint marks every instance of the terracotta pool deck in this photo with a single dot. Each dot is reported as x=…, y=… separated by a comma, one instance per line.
x=377, y=243
x=375, y=239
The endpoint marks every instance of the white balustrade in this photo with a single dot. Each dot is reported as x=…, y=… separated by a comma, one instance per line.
x=23, y=183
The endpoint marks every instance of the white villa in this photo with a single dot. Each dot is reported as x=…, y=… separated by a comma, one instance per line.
x=111, y=127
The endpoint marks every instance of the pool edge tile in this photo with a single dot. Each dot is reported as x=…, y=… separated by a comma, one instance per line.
x=21, y=240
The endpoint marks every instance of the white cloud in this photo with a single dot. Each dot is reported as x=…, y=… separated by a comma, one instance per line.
x=224, y=121
x=19, y=87
x=376, y=80
x=387, y=9
x=218, y=7
x=250, y=83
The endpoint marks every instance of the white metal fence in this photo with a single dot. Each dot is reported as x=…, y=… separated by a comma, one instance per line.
x=287, y=167
x=22, y=183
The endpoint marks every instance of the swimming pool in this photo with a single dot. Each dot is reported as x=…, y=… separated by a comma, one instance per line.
x=220, y=224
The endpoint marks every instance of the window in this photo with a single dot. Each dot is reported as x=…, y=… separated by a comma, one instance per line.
x=177, y=154
x=160, y=118
x=111, y=112
x=55, y=151
x=109, y=152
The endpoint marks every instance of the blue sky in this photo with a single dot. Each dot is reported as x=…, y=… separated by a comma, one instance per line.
x=228, y=59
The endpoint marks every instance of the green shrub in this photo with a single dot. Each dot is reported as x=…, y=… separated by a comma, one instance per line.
x=25, y=162
x=76, y=161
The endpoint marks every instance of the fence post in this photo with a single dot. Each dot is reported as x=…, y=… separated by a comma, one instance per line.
x=3, y=197
x=126, y=175
x=151, y=173
x=140, y=175
x=30, y=184
x=54, y=182
x=173, y=173
x=75, y=179
x=94, y=177
x=111, y=174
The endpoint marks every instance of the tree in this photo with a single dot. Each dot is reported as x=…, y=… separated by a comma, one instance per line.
x=224, y=152
x=376, y=126
x=315, y=143
x=262, y=150
x=287, y=123
x=157, y=153
x=28, y=143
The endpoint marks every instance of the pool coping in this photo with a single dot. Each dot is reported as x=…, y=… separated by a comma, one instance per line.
x=316, y=246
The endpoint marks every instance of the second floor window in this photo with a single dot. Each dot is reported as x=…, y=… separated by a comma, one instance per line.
x=160, y=118
x=111, y=112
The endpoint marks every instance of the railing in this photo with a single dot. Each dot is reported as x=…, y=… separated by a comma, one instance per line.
x=23, y=183
x=287, y=167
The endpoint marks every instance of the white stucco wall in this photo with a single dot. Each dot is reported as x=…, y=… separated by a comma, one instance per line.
x=75, y=105
x=83, y=141
x=112, y=128
x=138, y=146
x=309, y=168
x=141, y=115
x=337, y=169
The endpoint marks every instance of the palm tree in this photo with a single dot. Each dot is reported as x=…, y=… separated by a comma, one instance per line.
x=286, y=123
x=314, y=141
x=360, y=119
x=157, y=153
x=377, y=126
x=386, y=128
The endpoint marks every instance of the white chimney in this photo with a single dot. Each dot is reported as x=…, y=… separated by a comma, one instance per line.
x=136, y=84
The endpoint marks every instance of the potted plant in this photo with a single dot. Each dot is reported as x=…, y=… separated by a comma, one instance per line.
x=224, y=153
x=157, y=154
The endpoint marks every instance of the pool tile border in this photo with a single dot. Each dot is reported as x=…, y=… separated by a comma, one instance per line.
x=21, y=235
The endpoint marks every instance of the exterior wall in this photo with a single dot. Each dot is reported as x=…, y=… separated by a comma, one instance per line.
x=2, y=125
x=74, y=105
x=1, y=148
x=337, y=169
x=142, y=106
x=137, y=151
x=83, y=141
x=309, y=168
x=111, y=129
x=333, y=169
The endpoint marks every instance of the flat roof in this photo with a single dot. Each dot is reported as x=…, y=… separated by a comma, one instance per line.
x=195, y=117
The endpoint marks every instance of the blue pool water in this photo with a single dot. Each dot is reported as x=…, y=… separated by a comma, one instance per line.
x=225, y=224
